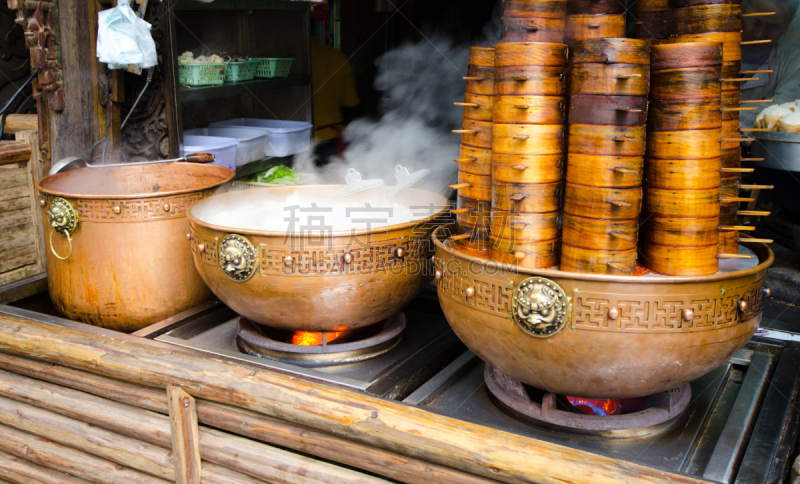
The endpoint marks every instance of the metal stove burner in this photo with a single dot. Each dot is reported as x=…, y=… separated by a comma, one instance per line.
x=661, y=411
x=362, y=344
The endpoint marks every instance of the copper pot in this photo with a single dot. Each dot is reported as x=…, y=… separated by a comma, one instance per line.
x=330, y=281
x=117, y=254
x=598, y=336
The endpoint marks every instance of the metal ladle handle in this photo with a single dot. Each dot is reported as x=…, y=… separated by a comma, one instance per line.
x=198, y=158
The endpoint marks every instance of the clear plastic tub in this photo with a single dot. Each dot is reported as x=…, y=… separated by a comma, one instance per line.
x=288, y=137
x=252, y=142
x=223, y=149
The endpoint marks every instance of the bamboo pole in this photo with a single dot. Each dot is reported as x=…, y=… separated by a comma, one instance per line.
x=370, y=420
x=185, y=436
x=247, y=423
x=20, y=471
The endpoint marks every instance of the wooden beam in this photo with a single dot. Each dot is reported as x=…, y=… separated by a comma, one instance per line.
x=185, y=436
x=20, y=471
x=20, y=122
x=384, y=424
x=14, y=152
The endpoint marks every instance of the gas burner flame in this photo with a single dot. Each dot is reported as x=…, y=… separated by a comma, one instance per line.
x=594, y=406
x=308, y=338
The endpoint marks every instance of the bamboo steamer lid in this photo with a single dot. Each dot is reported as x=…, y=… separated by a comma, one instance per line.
x=480, y=186
x=528, y=139
x=527, y=197
x=533, y=29
x=480, y=80
x=606, y=140
x=683, y=174
x=680, y=232
x=582, y=27
x=608, y=110
x=688, y=54
x=603, y=203
x=482, y=56
x=700, y=19
x=529, y=110
x=528, y=168
x=532, y=227
x=690, y=3
x=477, y=161
x=592, y=261
x=643, y=6
x=666, y=203
x=596, y=6
x=535, y=8
x=688, y=83
x=543, y=54
x=478, y=134
x=729, y=188
x=483, y=110
x=528, y=255
x=685, y=115
x=611, y=51
x=674, y=145
x=590, y=233
x=680, y=261
x=610, y=79
x=529, y=81
x=604, y=171
x=731, y=43
x=652, y=26
x=728, y=242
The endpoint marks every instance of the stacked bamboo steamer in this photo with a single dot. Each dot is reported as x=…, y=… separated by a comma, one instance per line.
x=679, y=230
x=652, y=20
x=475, y=160
x=528, y=153
x=594, y=19
x=534, y=20
x=609, y=83
x=710, y=21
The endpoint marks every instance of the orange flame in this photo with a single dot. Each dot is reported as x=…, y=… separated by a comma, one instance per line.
x=594, y=406
x=308, y=338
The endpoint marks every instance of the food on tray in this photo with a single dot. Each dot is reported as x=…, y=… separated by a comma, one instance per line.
x=189, y=58
x=278, y=175
x=769, y=117
x=789, y=123
x=792, y=106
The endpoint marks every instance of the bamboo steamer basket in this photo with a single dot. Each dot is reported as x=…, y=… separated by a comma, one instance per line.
x=528, y=139
x=480, y=186
x=731, y=158
x=527, y=197
x=475, y=222
x=529, y=81
x=730, y=101
x=731, y=43
x=592, y=261
x=532, y=227
x=683, y=174
x=700, y=19
x=477, y=134
x=731, y=70
x=611, y=51
x=688, y=83
x=542, y=54
x=608, y=110
x=691, y=3
x=482, y=56
x=729, y=188
x=604, y=171
x=535, y=8
x=595, y=6
x=685, y=115
x=606, y=140
x=728, y=242
x=653, y=26
x=478, y=107
x=582, y=27
x=680, y=261
x=729, y=213
x=680, y=232
x=673, y=145
x=666, y=203
x=480, y=80
x=611, y=79
x=690, y=53
x=477, y=161
x=643, y=6
x=590, y=233
x=603, y=203
x=527, y=168
x=729, y=137
x=530, y=255
x=533, y=29
x=529, y=110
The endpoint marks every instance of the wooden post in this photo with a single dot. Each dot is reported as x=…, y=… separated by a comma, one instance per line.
x=185, y=436
x=32, y=138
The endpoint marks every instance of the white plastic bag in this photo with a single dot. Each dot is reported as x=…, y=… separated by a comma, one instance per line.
x=124, y=39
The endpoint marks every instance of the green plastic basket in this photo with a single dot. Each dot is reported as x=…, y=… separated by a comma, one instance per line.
x=273, y=66
x=201, y=74
x=240, y=71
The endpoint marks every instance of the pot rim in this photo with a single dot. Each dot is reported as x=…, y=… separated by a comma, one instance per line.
x=758, y=248
x=332, y=234
x=134, y=196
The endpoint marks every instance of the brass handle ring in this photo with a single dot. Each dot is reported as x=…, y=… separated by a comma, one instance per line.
x=69, y=240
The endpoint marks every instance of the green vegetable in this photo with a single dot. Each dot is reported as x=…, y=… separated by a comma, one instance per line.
x=278, y=175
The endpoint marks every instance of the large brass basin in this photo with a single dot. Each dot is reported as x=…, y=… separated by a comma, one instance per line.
x=117, y=254
x=315, y=281
x=598, y=336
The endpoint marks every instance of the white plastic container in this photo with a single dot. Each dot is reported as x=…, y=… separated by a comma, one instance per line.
x=223, y=149
x=252, y=142
x=288, y=137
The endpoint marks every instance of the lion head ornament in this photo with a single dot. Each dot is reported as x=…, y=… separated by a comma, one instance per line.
x=237, y=257
x=540, y=307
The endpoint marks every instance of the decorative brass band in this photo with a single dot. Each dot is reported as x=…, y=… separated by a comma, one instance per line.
x=138, y=210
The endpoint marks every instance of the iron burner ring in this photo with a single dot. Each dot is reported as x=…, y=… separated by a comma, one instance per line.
x=661, y=412
x=258, y=340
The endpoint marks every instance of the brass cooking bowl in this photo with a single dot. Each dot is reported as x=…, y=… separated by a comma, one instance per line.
x=598, y=336
x=336, y=281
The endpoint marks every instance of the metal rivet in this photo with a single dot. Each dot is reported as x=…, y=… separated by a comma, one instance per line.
x=767, y=292
x=400, y=252
x=470, y=292
x=287, y=261
x=201, y=248
x=742, y=305
x=42, y=203
x=438, y=275
x=348, y=258
x=117, y=210
x=688, y=314
x=189, y=236
x=166, y=207
x=613, y=313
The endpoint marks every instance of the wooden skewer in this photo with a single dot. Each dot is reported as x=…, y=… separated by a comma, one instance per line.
x=738, y=79
x=594, y=26
x=469, y=158
x=460, y=210
x=472, y=78
x=518, y=226
x=618, y=266
x=621, y=204
x=520, y=255
x=459, y=237
x=628, y=76
x=621, y=236
x=521, y=106
x=520, y=167
x=758, y=14
x=753, y=159
x=742, y=228
x=734, y=256
x=737, y=170
x=750, y=42
x=765, y=71
x=725, y=110
x=468, y=105
x=756, y=187
x=757, y=101
x=620, y=169
x=465, y=131
x=623, y=138
x=518, y=197
x=736, y=199
x=756, y=129
x=522, y=136
x=740, y=140
x=459, y=186
x=630, y=110
x=750, y=239
x=532, y=29
x=520, y=78
x=753, y=213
